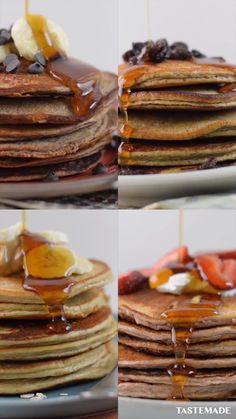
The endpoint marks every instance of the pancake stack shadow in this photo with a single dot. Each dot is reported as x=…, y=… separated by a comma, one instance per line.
x=38, y=352
x=147, y=355
x=181, y=116
x=41, y=135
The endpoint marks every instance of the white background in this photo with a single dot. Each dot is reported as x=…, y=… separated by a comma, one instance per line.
x=91, y=233
x=91, y=25
x=207, y=25
x=145, y=236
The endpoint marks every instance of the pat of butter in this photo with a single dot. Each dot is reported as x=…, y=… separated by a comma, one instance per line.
x=175, y=284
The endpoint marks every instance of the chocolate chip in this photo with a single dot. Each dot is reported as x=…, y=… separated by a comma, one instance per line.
x=137, y=47
x=159, y=51
x=128, y=55
x=35, y=68
x=13, y=65
x=5, y=36
x=51, y=177
x=99, y=169
x=179, y=52
x=197, y=54
x=9, y=58
x=40, y=59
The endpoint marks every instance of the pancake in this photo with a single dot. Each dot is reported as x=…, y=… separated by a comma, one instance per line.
x=24, y=132
x=145, y=307
x=24, y=84
x=194, y=153
x=98, y=369
x=52, y=368
x=59, y=170
x=64, y=349
x=180, y=126
x=11, y=289
x=196, y=350
x=219, y=385
x=201, y=335
x=76, y=307
x=55, y=147
x=188, y=98
x=175, y=73
x=30, y=333
x=46, y=110
x=130, y=358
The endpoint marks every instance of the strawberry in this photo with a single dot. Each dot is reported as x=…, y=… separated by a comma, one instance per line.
x=177, y=255
x=131, y=282
x=221, y=273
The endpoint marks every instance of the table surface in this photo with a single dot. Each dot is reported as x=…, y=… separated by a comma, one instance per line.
x=99, y=200
x=104, y=415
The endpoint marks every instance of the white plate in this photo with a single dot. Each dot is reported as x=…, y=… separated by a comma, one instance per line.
x=140, y=190
x=82, y=399
x=68, y=186
x=131, y=408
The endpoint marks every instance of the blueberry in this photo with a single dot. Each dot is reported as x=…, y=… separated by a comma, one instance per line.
x=35, y=68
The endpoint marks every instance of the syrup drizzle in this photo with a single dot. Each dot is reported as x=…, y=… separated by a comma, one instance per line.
x=182, y=318
x=54, y=292
x=85, y=93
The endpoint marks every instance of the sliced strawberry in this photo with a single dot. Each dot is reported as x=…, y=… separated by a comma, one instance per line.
x=131, y=282
x=220, y=273
x=177, y=255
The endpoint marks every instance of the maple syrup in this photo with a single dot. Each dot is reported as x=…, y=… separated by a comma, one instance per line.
x=80, y=78
x=52, y=289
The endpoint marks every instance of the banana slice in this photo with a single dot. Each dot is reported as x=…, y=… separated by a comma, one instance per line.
x=4, y=51
x=48, y=262
x=26, y=43
x=82, y=265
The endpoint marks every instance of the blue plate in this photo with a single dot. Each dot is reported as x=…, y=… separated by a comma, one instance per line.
x=64, y=402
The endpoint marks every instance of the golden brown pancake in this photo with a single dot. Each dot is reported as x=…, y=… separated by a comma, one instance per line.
x=145, y=307
x=101, y=367
x=11, y=289
x=25, y=333
x=180, y=126
x=79, y=306
x=185, y=98
x=131, y=358
x=175, y=73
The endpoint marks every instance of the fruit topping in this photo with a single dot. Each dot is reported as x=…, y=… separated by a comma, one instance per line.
x=131, y=282
x=219, y=271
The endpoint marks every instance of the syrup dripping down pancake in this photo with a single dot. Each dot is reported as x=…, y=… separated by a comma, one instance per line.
x=130, y=358
x=180, y=126
x=145, y=307
x=11, y=289
x=174, y=73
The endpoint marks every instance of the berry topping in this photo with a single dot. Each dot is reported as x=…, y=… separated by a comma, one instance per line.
x=131, y=282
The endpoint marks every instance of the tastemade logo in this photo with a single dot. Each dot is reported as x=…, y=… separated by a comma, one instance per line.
x=202, y=410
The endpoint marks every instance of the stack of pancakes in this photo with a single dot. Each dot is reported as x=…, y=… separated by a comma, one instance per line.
x=40, y=134
x=181, y=116
x=146, y=351
x=34, y=355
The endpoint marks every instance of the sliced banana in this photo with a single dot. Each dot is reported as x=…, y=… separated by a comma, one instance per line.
x=4, y=51
x=25, y=41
